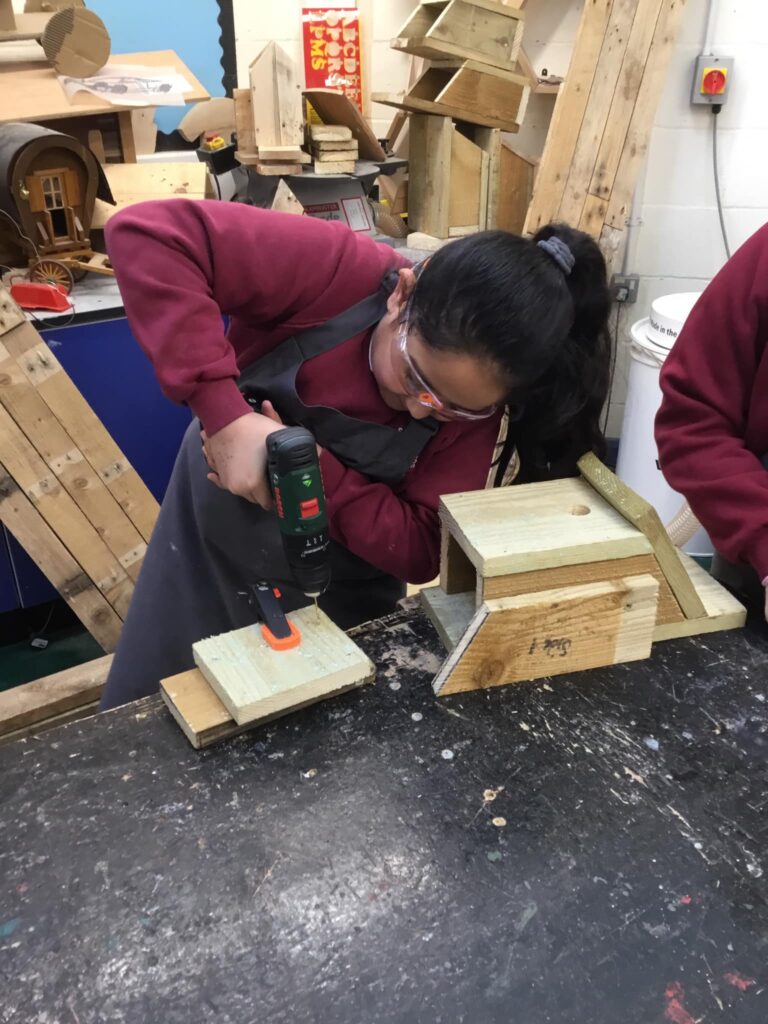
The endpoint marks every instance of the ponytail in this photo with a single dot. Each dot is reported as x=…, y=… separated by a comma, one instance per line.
x=539, y=314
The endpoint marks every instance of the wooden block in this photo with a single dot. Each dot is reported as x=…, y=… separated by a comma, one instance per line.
x=272, y=169
x=335, y=167
x=68, y=465
x=457, y=573
x=32, y=703
x=334, y=145
x=645, y=518
x=198, y=711
x=336, y=156
x=516, y=177
x=285, y=201
x=575, y=575
x=334, y=108
x=283, y=155
x=538, y=526
x=253, y=680
x=247, y=159
x=429, y=174
x=568, y=115
x=89, y=435
x=246, y=140
x=324, y=134
x=553, y=633
x=25, y=523
x=474, y=29
x=276, y=99
x=595, y=118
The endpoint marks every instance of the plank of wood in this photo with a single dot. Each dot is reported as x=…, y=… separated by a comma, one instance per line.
x=271, y=170
x=595, y=118
x=488, y=32
x=24, y=522
x=89, y=435
x=721, y=609
x=450, y=614
x=125, y=132
x=335, y=167
x=62, y=515
x=246, y=139
x=276, y=99
x=283, y=154
x=429, y=174
x=465, y=182
x=327, y=133
x=253, y=680
x=96, y=146
x=335, y=155
x=639, y=132
x=285, y=201
x=137, y=183
x=52, y=695
x=574, y=575
x=538, y=526
x=489, y=140
x=197, y=710
x=645, y=518
x=516, y=177
x=624, y=98
x=334, y=108
x=593, y=216
x=73, y=715
x=335, y=146
x=34, y=93
x=555, y=632
x=62, y=456
x=567, y=116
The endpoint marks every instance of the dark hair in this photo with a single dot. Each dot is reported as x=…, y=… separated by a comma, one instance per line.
x=500, y=296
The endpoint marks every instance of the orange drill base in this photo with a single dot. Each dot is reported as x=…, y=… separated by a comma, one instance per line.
x=285, y=643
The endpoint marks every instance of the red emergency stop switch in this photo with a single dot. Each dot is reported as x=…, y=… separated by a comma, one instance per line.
x=714, y=81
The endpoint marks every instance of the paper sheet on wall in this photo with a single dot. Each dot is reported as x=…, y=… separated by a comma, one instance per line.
x=132, y=85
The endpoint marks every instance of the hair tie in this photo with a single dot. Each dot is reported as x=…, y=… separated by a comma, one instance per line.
x=559, y=251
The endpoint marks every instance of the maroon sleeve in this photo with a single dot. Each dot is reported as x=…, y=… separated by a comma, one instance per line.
x=181, y=264
x=398, y=530
x=707, y=385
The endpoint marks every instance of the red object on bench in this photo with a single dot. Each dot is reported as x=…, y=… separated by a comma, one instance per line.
x=37, y=295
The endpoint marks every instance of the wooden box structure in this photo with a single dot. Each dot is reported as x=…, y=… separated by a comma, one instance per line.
x=471, y=29
x=548, y=578
x=49, y=183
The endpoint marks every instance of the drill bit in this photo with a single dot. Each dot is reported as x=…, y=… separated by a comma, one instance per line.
x=317, y=611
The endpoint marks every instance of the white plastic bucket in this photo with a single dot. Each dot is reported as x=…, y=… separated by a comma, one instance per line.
x=638, y=461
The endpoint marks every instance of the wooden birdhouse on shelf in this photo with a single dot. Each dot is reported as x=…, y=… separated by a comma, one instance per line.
x=49, y=183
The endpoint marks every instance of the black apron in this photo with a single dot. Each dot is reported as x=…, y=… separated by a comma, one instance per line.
x=208, y=544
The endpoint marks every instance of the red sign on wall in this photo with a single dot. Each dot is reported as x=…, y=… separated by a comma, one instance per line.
x=332, y=56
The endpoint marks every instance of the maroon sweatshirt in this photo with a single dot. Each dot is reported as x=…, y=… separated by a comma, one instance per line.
x=181, y=264
x=712, y=428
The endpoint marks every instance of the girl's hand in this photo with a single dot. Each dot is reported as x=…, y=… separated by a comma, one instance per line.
x=237, y=455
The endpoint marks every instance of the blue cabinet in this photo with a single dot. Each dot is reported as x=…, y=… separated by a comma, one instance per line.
x=117, y=380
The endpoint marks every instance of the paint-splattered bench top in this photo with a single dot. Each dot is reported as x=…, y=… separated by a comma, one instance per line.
x=591, y=849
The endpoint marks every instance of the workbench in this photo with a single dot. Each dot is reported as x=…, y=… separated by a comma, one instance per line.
x=590, y=849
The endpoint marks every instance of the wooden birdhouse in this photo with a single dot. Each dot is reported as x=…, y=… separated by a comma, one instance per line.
x=49, y=183
x=551, y=578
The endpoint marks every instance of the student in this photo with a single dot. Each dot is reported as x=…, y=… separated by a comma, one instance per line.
x=712, y=427
x=404, y=393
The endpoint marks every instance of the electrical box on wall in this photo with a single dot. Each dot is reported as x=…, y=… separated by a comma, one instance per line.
x=712, y=80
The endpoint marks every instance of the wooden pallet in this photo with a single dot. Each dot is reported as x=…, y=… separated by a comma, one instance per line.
x=603, y=116
x=542, y=579
x=67, y=492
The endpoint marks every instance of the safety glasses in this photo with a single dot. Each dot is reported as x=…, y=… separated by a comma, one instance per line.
x=417, y=387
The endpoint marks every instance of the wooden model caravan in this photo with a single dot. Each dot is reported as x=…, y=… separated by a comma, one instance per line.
x=49, y=183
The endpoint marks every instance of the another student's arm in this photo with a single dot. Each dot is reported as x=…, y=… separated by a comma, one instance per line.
x=708, y=383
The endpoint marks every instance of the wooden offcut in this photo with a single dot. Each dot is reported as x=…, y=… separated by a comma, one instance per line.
x=553, y=633
x=603, y=117
x=336, y=109
x=253, y=680
x=285, y=201
x=198, y=711
x=35, y=703
x=276, y=99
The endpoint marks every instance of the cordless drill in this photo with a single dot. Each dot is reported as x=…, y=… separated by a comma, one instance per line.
x=294, y=476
